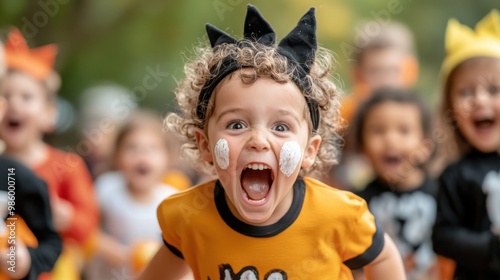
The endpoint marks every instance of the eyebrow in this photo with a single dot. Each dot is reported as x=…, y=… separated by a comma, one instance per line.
x=227, y=112
x=287, y=113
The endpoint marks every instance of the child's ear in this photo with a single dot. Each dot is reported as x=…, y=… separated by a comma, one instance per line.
x=311, y=151
x=203, y=145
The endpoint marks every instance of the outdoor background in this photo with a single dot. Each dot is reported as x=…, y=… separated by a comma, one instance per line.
x=125, y=41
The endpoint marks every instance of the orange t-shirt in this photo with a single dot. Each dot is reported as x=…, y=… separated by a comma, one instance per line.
x=324, y=233
x=68, y=178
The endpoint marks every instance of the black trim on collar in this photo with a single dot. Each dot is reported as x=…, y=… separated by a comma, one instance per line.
x=291, y=215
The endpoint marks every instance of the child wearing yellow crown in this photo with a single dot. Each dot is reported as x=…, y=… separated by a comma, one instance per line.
x=262, y=116
x=29, y=87
x=467, y=227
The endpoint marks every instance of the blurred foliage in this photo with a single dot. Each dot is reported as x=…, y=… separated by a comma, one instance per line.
x=118, y=40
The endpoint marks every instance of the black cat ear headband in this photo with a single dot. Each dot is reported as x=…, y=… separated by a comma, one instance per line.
x=298, y=47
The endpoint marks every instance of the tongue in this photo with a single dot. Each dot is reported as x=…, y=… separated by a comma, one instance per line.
x=255, y=183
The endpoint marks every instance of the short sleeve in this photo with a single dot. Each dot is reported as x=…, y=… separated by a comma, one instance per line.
x=167, y=218
x=365, y=239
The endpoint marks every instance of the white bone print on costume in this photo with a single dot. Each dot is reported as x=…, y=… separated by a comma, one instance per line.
x=222, y=153
x=491, y=187
x=249, y=273
x=289, y=157
x=275, y=276
x=408, y=219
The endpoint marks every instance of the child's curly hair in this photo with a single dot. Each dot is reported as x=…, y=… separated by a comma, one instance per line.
x=265, y=62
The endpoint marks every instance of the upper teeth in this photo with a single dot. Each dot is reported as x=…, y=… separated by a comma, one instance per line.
x=258, y=166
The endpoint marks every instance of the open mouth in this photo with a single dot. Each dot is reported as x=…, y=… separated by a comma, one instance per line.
x=484, y=123
x=142, y=170
x=392, y=160
x=256, y=181
x=14, y=124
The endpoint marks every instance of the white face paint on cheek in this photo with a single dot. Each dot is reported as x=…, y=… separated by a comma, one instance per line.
x=289, y=157
x=222, y=153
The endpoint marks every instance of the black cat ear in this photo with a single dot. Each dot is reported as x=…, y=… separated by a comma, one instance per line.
x=217, y=36
x=301, y=44
x=257, y=28
x=299, y=47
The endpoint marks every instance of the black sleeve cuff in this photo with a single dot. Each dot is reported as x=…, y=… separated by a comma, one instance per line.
x=495, y=248
x=371, y=253
x=174, y=250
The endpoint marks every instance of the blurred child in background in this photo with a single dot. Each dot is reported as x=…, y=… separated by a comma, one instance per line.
x=30, y=87
x=386, y=58
x=128, y=207
x=103, y=109
x=31, y=198
x=393, y=131
x=467, y=227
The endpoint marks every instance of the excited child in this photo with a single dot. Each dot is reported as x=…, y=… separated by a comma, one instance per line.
x=141, y=157
x=32, y=204
x=386, y=58
x=393, y=131
x=30, y=87
x=467, y=227
x=260, y=114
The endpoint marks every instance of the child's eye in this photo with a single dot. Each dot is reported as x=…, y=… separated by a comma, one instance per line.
x=404, y=130
x=466, y=92
x=377, y=130
x=280, y=127
x=6, y=95
x=494, y=89
x=236, y=125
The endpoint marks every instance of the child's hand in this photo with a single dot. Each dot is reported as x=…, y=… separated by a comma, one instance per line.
x=113, y=252
x=119, y=256
x=62, y=212
x=18, y=265
x=409, y=262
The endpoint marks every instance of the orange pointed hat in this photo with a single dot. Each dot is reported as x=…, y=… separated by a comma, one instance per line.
x=463, y=43
x=37, y=62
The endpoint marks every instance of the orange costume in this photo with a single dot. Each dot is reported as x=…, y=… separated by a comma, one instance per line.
x=66, y=175
x=68, y=178
x=325, y=233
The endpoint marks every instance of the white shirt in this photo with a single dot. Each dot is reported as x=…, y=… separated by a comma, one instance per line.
x=127, y=220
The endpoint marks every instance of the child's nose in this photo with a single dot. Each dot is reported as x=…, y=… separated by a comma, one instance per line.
x=482, y=96
x=258, y=140
x=392, y=138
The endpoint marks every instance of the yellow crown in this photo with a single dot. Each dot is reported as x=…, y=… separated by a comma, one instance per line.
x=463, y=43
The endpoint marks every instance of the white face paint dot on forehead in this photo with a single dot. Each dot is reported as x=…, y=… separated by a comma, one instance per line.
x=289, y=157
x=222, y=153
